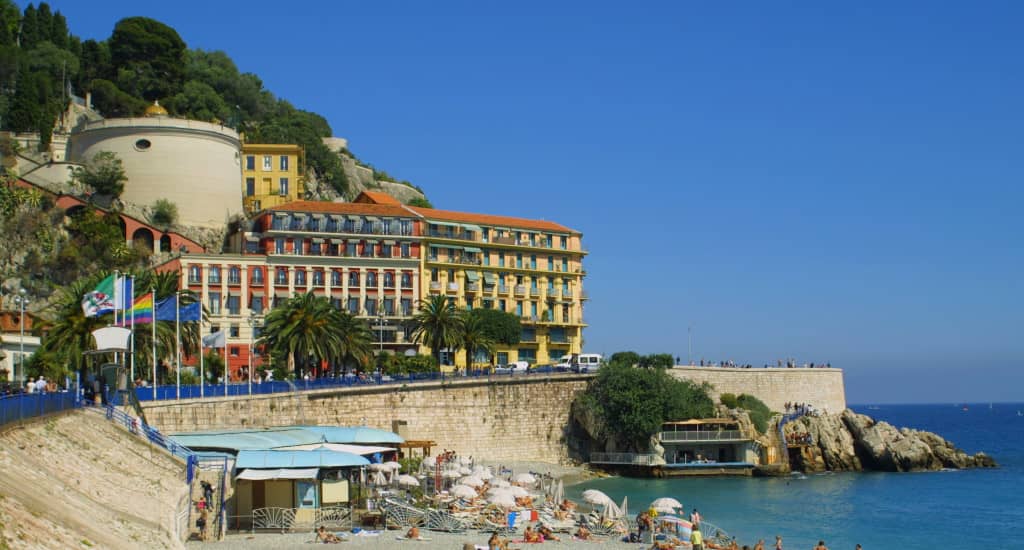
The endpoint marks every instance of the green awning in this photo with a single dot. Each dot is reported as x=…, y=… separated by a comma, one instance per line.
x=471, y=227
x=489, y=277
x=472, y=250
x=473, y=276
x=450, y=247
x=445, y=224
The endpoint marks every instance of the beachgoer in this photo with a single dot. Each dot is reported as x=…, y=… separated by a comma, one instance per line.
x=413, y=533
x=322, y=535
x=858, y=548
x=696, y=539
x=759, y=545
x=546, y=532
x=821, y=546
x=201, y=505
x=695, y=517
x=201, y=523
x=496, y=543
x=778, y=542
x=532, y=536
x=582, y=533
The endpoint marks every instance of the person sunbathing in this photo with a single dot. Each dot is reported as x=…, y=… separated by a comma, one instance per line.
x=322, y=535
x=496, y=543
x=567, y=505
x=413, y=533
x=582, y=533
x=546, y=532
x=532, y=536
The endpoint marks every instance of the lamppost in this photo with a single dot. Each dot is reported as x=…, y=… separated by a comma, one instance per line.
x=22, y=301
x=380, y=328
x=254, y=321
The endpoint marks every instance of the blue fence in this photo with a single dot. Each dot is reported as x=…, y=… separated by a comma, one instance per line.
x=22, y=406
x=276, y=386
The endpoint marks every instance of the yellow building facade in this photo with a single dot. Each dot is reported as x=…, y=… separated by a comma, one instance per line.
x=530, y=268
x=271, y=175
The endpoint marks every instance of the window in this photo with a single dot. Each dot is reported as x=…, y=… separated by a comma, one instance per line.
x=353, y=278
x=336, y=303
x=501, y=259
x=386, y=225
x=335, y=278
x=528, y=334
x=486, y=257
x=485, y=234
x=528, y=355
x=389, y=280
x=533, y=310
x=406, y=227
x=502, y=357
x=300, y=277
x=284, y=163
x=350, y=248
x=214, y=274
x=281, y=277
x=278, y=246
x=389, y=306
x=349, y=226
x=501, y=305
x=406, y=280
x=547, y=240
x=551, y=263
x=406, y=252
x=371, y=306
x=519, y=308
x=316, y=248
x=268, y=163
x=434, y=277
x=406, y=304
x=318, y=278
x=257, y=275
x=353, y=306
x=565, y=264
x=256, y=205
x=250, y=187
x=214, y=303
x=234, y=275
x=283, y=187
x=256, y=304
x=195, y=274
x=533, y=261
x=519, y=260
x=297, y=246
x=368, y=249
x=564, y=242
x=533, y=239
x=385, y=250
x=234, y=304
x=250, y=162
x=371, y=279
x=233, y=351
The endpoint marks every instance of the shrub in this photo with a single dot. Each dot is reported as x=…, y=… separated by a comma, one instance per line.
x=760, y=414
x=420, y=202
x=729, y=400
x=165, y=213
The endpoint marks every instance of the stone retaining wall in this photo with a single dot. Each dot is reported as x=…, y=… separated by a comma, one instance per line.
x=821, y=388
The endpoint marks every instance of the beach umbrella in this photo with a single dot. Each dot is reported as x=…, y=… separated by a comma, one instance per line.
x=625, y=507
x=611, y=510
x=407, y=480
x=559, y=492
x=524, y=478
x=593, y=496
x=465, y=471
x=379, y=478
x=518, y=492
x=463, y=491
x=483, y=472
x=504, y=500
x=472, y=481
x=451, y=474
x=393, y=466
x=666, y=505
x=377, y=467
x=465, y=461
x=501, y=483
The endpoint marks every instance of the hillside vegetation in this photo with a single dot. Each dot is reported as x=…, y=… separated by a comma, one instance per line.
x=143, y=61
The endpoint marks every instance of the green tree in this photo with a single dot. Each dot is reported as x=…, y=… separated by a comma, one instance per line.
x=657, y=360
x=438, y=325
x=626, y=358
x=500, y=326
x=95, y=64
x=309, y=330
x=150, y=57
x=634, y=403
x=197, y=100
x=355, y=342
x=164, y=214
x=420, y=202
x=475, y=337
x=112, y=102
x=760, y=414
x=104, y=173
x=29, y=27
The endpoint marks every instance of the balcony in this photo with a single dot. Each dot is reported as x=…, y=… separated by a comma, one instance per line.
x=534, y=292
x=584, y=295
x=554, y=292
x=704, y=436
x=622, y=458
x=458, y=235
x=566, y=293
x=472, y=287
x=504, y=240
x=502, y=289
x=452, y=287
x=435, y=286
x=520, y=290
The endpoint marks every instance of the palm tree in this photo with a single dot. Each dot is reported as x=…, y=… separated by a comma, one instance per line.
x=355, y=343
x=475, y=338
x=438, y=325
x=305, y=328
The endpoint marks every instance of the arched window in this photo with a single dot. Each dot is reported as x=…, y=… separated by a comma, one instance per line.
x=234, y=275
x=335, y=278
x=195, y=274
x=257, y=275
x=389, y=280
x=300, y=277
x=281, y=277
x=371, y=279
x=214, y=274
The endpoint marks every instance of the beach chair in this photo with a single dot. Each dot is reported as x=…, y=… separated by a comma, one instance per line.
x=402, y=515
x=442, y=520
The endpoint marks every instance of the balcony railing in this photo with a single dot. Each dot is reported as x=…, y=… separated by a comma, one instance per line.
x=473, y=287
x=554, y=292
x=721, y=435
x=622, y=458
x=520, y=290
x=435, y=285
x=566, y=293
x=502, y=289
x=534, y=292
x=453, y=287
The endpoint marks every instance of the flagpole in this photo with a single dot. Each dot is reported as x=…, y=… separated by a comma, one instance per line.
x=227, y=370
x=117, y=294
x=153, y=291
x=202, y=366
x=132, y=359
x=177, y=339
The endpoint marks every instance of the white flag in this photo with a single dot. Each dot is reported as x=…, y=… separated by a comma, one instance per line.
x=215, y=340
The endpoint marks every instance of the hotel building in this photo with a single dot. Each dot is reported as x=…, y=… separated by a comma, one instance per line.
x=270, y=175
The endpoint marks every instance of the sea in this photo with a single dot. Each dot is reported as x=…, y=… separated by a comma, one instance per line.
x=965, y=509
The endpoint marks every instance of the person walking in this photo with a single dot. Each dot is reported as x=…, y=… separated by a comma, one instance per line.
x=696, y=539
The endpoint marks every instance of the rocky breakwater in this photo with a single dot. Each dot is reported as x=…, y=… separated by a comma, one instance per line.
x=854, y=442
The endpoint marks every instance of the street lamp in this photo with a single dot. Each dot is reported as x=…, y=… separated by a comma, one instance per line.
x=22, y=301
x=254, y=321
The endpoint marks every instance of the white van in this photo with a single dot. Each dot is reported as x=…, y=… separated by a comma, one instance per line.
x=587, y=362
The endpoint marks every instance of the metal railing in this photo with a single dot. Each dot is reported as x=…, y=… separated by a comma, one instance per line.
x=634, y=459
x=721, y=435
x=238, y=389
x=22, y=406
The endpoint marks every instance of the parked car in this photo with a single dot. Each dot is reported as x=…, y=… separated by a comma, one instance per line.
x=517, y=367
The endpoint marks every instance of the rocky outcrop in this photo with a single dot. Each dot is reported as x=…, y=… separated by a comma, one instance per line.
x=854, y=442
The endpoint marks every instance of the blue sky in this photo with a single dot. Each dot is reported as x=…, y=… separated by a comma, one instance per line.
x=834, y=182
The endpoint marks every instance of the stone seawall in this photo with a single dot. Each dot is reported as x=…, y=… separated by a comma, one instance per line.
x=519, y=418
x=821, y=388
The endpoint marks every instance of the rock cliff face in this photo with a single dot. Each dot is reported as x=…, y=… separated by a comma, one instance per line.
x=854, y=442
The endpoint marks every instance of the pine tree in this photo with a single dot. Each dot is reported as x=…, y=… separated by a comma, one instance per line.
x=29, y=28
x=59, y=31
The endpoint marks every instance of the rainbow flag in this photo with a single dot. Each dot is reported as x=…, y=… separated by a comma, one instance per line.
x=142, y=310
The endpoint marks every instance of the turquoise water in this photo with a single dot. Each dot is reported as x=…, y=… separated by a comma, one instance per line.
x=931, y=510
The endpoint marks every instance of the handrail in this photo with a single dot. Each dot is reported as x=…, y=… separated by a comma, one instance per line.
x=622, y=458
x=22, y=406
x=724, y=435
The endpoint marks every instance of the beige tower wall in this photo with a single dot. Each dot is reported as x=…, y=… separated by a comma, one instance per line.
x=195, y=165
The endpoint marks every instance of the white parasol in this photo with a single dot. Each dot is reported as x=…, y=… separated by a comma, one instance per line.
x=525, y=478
x=465, y=471
x=593, y=496
x=465, y=461
x=407, y=480
x=666, y=505
x=451, y=474
x=472, y=481
x=463, y=491
x=502, y=499
x=501, y=483
x=393, y=466
x=379, y=478
x=625, y=507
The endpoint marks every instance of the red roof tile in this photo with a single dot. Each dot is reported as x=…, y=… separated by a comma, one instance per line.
x=487, y=219
x=377, y=197
x=358, y=208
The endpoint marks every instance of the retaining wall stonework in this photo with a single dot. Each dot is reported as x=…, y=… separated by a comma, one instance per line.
x=821, y=388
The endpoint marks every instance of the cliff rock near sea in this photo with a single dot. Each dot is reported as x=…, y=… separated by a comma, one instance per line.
x=854, y=442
